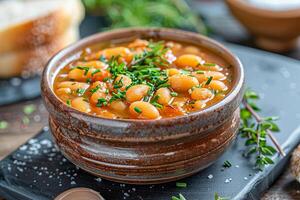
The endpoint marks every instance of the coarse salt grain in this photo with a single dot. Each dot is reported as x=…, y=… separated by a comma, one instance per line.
x=210, y=176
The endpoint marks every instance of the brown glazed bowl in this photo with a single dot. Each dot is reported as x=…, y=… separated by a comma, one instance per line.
x=143, y=151
x=276, y=31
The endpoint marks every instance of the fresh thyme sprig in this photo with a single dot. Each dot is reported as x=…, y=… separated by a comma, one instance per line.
x=256, y=129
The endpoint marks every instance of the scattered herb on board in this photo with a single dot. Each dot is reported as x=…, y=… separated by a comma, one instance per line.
x=29, y=109
x=256, y=129
x=181, y=184
x=180, y=197
x=25, y=120
x=3, y=124
x=149, y=13
x=227, y=164
x=217, y=197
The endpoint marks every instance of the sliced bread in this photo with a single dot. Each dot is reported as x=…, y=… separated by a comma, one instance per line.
x=28, y=62
x=31, y=23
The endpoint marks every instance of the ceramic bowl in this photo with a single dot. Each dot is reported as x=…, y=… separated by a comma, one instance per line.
x=273, y=30
x=143, y=151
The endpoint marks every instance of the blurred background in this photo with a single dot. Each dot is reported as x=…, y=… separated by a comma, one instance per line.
x=31, y=31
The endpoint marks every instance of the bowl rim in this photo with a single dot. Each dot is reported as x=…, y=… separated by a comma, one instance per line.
x=72, y=49
x=250, y=8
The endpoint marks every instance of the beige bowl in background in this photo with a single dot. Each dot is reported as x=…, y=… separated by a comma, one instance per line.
x=273, y=30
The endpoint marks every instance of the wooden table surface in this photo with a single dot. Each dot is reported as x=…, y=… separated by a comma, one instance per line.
x=23, y=126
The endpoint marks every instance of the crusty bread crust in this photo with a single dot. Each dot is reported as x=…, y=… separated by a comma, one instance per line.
x=28, y=62
x=42, y=30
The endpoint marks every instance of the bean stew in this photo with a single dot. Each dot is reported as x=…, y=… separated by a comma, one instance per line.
x=144, y=79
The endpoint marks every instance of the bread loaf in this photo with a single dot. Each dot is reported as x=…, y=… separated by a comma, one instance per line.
x=31, y=23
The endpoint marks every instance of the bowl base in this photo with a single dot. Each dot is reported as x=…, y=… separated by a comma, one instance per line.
x=275, y=45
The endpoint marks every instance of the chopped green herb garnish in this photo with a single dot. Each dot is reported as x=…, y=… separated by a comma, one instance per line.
x=85, y=69
x=101, y=102
x=88, y=80
x=80, y=91
x=227, y=164
x=199, y=72
x=3, y=124
x=96, y=71
x=29, y=109
x=25, y=120
x=174, y=94
x=181, y=184
x=209, y=80
x=106, y=79
x=117, y=95
x=157, y=105
x=119, y=83
x=95, y=89
x=209, y=64
x=136, y=109
x=68, y=102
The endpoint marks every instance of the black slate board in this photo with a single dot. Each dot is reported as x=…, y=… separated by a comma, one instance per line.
x=38, y=171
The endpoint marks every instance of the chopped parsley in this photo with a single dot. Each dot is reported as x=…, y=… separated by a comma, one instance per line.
x=155, y=103
x=138, y=110
x=80, y=91
x=119, y=95
x=174, y=94
x=209, y=80
x=68, y=102
x=209, y=64
x=95, y=89
x=85, y=69
x=96, y=71
x=88, y=80
x=119, y=83
x=199, y=72
x=101, y=102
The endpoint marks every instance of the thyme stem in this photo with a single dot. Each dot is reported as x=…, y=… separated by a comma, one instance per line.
x=270, y=134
